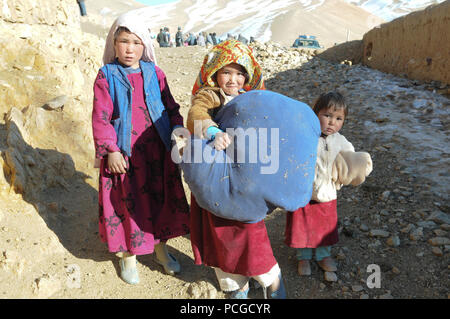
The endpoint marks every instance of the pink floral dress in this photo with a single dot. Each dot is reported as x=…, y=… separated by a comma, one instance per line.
x=146, y=205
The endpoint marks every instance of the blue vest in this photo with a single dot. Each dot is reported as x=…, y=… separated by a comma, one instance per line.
x=120, y=90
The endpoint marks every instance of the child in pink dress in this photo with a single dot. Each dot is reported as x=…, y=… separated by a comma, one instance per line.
x=142, y=202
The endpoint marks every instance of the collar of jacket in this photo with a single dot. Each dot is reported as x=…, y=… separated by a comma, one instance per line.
x=120, y=90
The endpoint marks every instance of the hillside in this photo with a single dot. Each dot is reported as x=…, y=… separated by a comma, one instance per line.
x=49, y=244
x=391, y=9
x=277, y=20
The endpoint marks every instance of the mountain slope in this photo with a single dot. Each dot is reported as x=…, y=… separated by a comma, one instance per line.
x=277, y=20
x=391, y=9
x=332, y=21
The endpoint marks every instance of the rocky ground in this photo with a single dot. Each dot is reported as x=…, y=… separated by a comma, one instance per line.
x=397, y=220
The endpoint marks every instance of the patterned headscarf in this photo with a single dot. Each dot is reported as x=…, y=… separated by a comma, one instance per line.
x=222, y=54
x=134, y=22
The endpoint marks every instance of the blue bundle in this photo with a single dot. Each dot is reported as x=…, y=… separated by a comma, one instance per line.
x=269, y=164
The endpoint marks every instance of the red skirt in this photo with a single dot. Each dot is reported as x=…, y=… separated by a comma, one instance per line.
x=312, y=226
x=232, y=246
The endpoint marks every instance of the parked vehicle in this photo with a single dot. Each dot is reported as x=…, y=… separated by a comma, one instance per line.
x=307, y=41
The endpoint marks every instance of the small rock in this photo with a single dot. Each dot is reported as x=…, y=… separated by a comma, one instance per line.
x=194, y=291
x=417, y=234
x=408, y=228
x=416, y=215
x=439, y=241
x=393, y=241
x=376, y=219
x=211, y=293
x=439, y=232
x=202, y=290
x=56, y=103
x=445, y=226
x=437, y=251
x=378, y=233
x=395, y=270
x=375, y=244
x=426, y=224
x=384, y=212
x=330, y=276
x=439, y=217
x=364, y=227
x=357, y=288
x=364, y=296
x=348, y=231
x=392, y=220
x=385, y=195
x=340, y=256
x=322, y=286
x=46, y=286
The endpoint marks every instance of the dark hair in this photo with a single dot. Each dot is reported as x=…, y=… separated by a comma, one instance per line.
x=119, y=31
x=330, y=100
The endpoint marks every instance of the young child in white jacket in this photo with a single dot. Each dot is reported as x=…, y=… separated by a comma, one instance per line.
x=313, y=228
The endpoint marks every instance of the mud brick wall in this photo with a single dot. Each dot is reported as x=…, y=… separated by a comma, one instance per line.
x=416, y=45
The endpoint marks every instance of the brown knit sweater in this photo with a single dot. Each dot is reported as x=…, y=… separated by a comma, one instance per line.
x=205, y=105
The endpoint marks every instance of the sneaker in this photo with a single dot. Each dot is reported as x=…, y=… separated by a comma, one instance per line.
x=327, y=264
x=304, y=268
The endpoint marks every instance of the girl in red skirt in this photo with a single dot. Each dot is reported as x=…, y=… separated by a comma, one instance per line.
x=313, y=229
x=238, y=251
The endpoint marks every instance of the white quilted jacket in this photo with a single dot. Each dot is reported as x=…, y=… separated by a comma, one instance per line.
x=324, y=189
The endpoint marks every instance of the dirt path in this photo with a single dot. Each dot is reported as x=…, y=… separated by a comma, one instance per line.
x=391, y=221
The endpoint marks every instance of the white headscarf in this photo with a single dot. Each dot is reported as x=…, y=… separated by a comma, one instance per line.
x=134, y=22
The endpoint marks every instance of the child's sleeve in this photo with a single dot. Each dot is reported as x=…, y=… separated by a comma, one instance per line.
x=351, y=168
x=105, y=139
x=172, y=107
x=199, y=118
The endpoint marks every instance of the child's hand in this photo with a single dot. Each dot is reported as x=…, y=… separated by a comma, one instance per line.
x=222, y=141
x=116, y=163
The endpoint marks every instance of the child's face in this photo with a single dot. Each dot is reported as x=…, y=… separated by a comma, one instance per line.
x=129, y=49
x=331, y=120
x=231, y=78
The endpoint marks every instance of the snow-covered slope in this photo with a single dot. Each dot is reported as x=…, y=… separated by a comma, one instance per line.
x=332, y=21
x=391, y=9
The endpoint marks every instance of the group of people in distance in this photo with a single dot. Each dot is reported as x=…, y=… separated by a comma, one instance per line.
x=142, y=202
x=203, y=39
